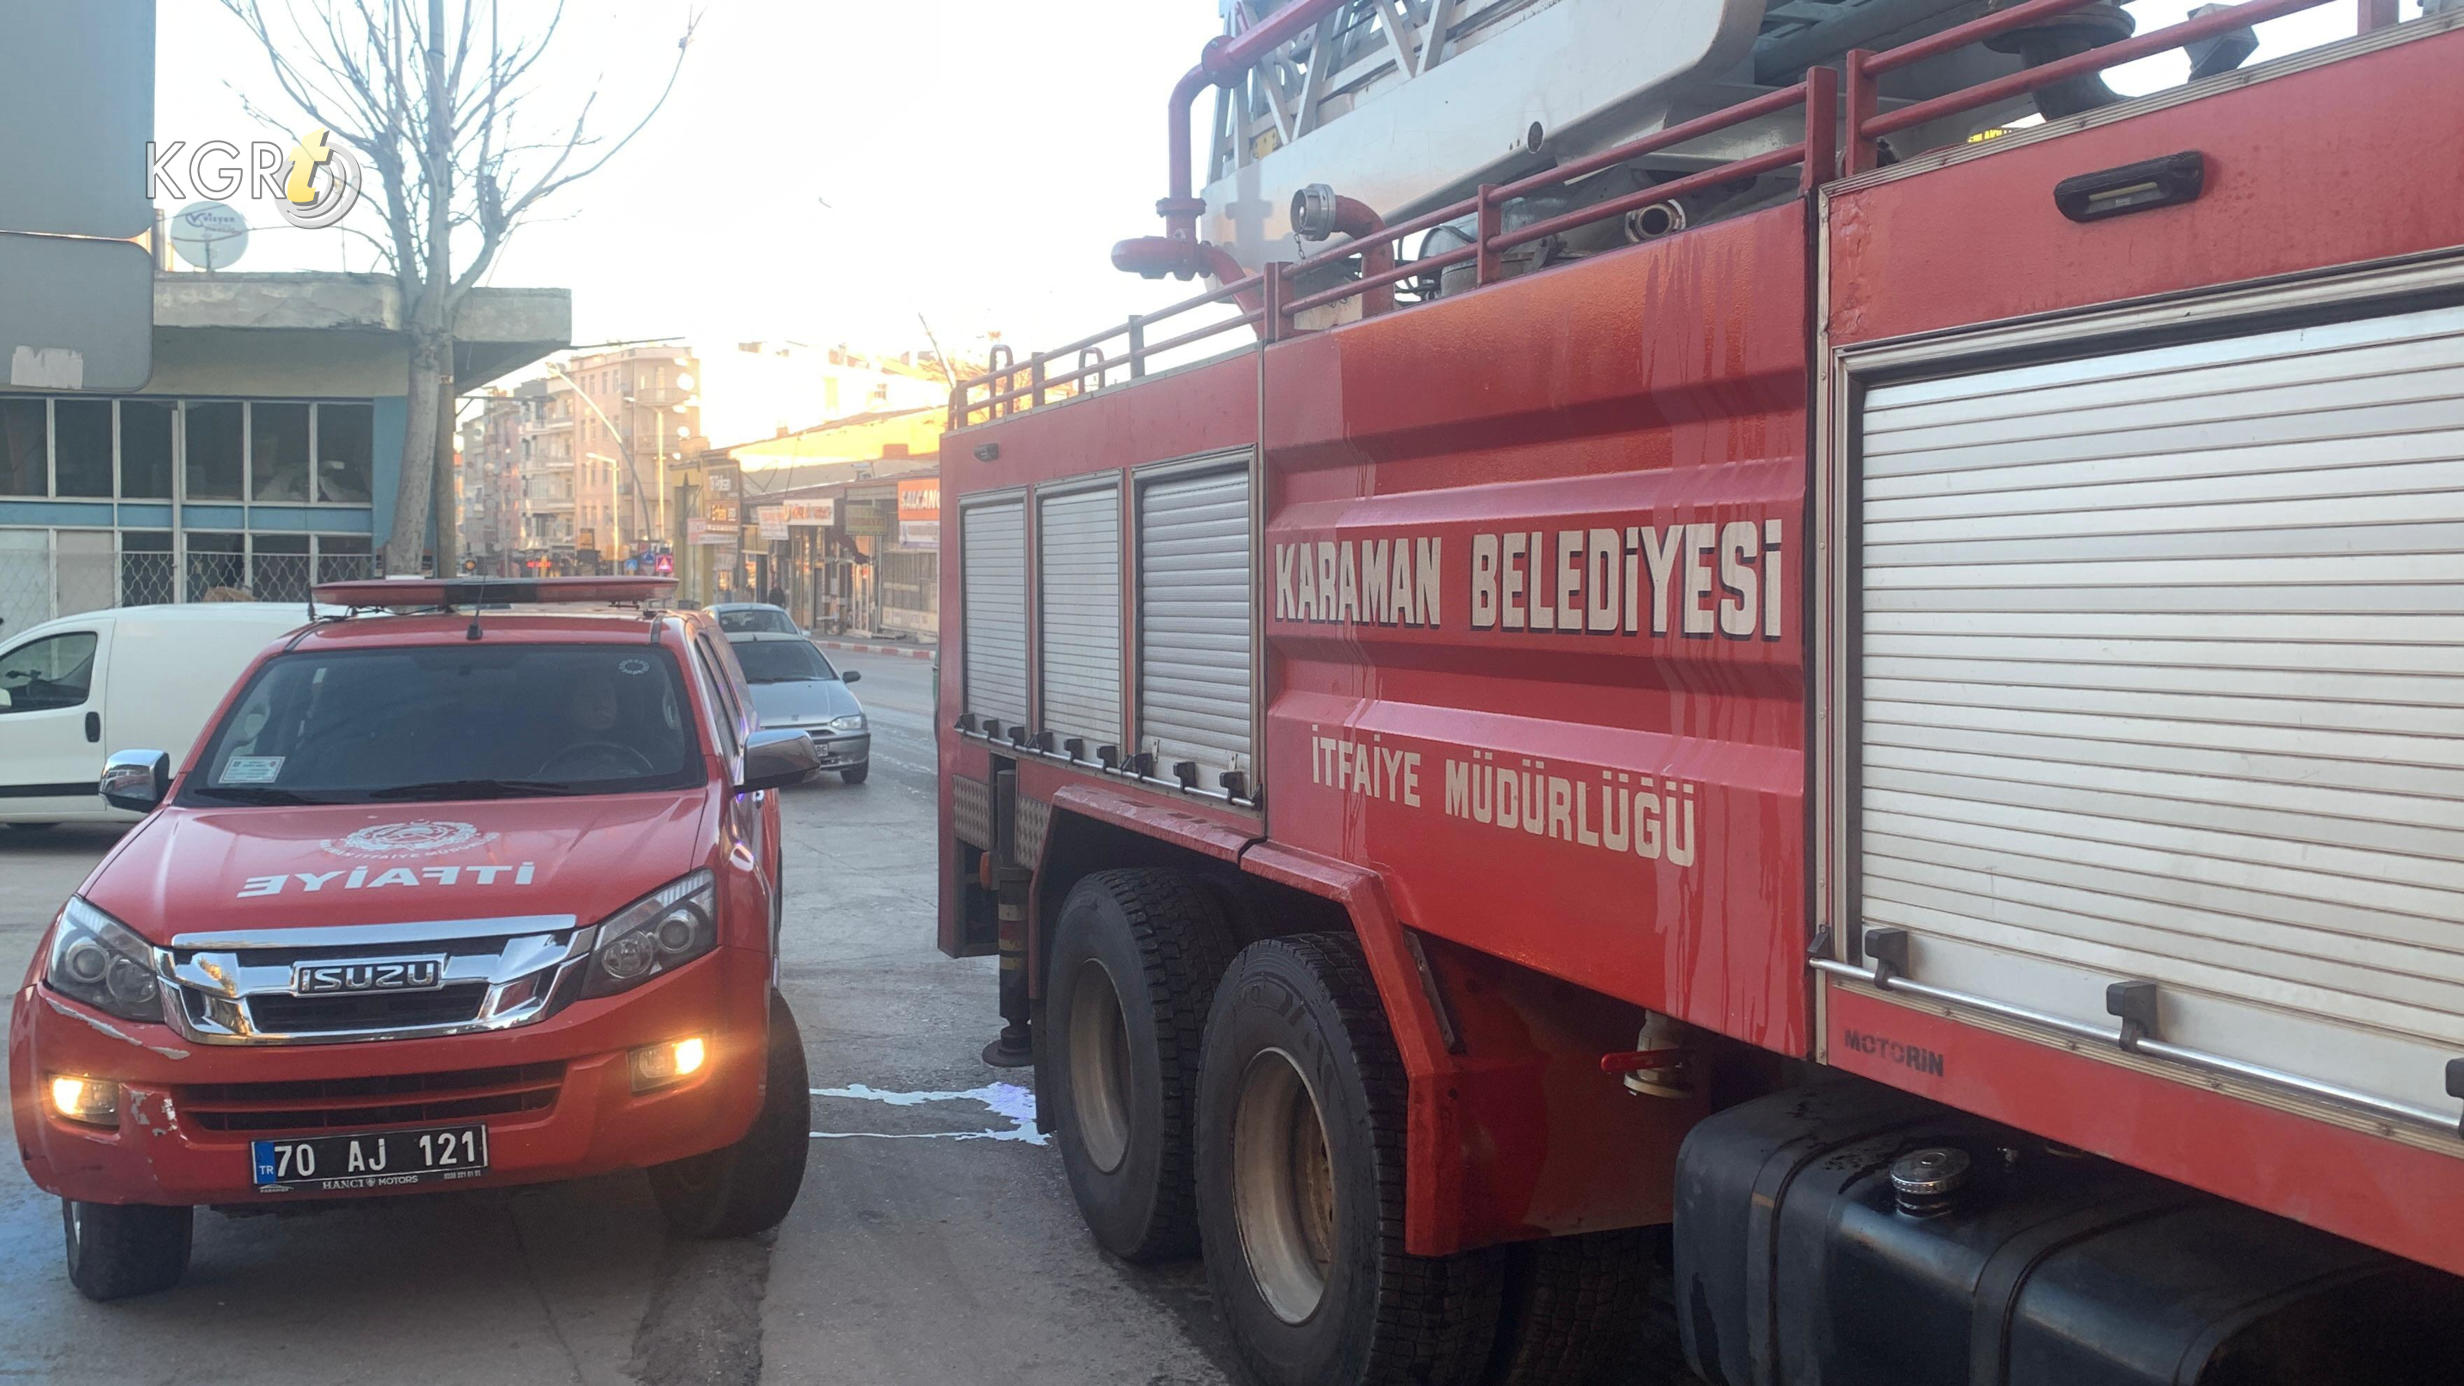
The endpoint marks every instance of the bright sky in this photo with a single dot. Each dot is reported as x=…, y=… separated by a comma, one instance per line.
x=827, y=169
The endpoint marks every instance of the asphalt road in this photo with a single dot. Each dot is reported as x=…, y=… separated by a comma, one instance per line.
x=934, y=1241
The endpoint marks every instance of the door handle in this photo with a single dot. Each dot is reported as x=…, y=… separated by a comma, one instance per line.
x=94, y=726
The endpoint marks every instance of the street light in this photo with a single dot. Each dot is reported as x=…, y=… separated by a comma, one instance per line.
x=641, y=512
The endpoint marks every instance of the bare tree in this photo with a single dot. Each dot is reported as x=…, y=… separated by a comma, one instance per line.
x=437, y=111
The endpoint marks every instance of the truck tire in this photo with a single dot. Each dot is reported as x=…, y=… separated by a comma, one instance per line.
x=1575, y=1310
x=748, y=1187
x=119, y=1250
x=1300, y=1185
x=1134, y=962
x=856, y=774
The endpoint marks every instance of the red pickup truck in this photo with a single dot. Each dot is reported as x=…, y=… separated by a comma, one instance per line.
x=464, y=895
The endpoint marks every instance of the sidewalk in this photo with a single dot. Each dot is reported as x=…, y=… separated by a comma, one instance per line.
x=906, y=648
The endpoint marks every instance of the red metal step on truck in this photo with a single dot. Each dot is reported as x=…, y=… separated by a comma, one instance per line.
x=1787, y=675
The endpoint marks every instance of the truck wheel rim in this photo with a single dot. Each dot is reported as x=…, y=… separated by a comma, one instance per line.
x=1283, y=1187
x=1099, y=1067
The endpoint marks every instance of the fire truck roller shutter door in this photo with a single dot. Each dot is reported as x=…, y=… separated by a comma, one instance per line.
x=2162, y=651
x=993, y=562
x=1193, y=620
x=1079, y=571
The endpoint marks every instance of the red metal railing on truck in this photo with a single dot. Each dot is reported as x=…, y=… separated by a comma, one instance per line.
x=1268, y=306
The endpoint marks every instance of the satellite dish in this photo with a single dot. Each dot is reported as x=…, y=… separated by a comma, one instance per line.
x=209, y=235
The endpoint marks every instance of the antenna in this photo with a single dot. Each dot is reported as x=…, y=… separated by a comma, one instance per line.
x=938, y=354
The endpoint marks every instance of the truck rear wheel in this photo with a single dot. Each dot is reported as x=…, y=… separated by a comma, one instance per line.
x=119, y=1250
x=748, y=1187
x=1134, y=963
x=1577, y=1309
x=1300, y=1185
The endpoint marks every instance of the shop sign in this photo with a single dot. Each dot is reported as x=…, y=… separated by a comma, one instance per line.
x=872, y=519
x=773, y=519
x=809, y=510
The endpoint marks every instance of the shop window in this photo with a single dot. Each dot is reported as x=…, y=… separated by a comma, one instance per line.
x=145, y=450
x=24, y=461
x=278, y=452
x=81, y=447
x=346, y=446
x=214, y=451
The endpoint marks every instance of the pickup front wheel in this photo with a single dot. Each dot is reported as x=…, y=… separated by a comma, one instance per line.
x=748, y=1187
x=119, y=1250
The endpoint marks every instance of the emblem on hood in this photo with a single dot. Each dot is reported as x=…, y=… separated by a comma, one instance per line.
x=421, y=837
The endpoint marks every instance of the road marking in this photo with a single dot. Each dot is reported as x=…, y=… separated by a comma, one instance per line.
x=1002, y=1099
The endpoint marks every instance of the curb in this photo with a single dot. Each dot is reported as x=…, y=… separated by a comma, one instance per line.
x=853, y=647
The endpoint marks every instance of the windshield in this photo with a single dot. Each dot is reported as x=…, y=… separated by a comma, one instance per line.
x=751, y=619
x=781, y=661
x=449, y=722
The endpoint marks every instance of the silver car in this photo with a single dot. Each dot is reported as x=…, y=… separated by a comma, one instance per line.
x=746, y=618
x=795, y=686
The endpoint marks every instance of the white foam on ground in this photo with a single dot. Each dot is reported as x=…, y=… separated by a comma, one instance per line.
x=1001, y=1099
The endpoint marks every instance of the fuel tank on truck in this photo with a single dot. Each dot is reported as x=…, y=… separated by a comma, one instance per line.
x=1849, y=1235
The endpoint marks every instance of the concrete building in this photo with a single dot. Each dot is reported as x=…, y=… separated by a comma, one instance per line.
x=489, y=484
x=263, y=454
x=842, y=519
x=597, y=438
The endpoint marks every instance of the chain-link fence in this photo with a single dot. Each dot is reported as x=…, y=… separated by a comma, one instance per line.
x=25, y=587
x=48, y=573
x=279, y=577
x=148, y=579
x=345, y=567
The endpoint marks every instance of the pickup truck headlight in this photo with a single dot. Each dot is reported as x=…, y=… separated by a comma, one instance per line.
x=100, y=961
x=853, y=721
x=655, y=934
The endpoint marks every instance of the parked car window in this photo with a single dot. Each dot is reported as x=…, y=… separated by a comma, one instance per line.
x=781, y=661
x=54, y=672
x=757, y=619
x=722, y=702
x=497, y=721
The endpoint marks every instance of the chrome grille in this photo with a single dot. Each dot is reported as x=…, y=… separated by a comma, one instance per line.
x=239, y=987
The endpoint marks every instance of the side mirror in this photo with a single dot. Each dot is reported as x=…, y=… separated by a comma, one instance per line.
x=851, y=676
x=776, y=759
x=136, y=780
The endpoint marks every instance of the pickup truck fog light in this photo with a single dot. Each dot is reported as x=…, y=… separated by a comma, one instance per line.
x=94, y=1101
x=662, y=1064
x=655, y=934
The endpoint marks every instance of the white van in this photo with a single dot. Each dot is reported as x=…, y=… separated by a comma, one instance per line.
x=74, y=689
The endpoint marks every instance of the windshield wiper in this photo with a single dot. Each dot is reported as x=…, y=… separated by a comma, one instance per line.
x=473, y=789
x=260, y=794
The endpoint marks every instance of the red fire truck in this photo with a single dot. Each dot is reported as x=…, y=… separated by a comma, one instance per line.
x=1794, y=675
